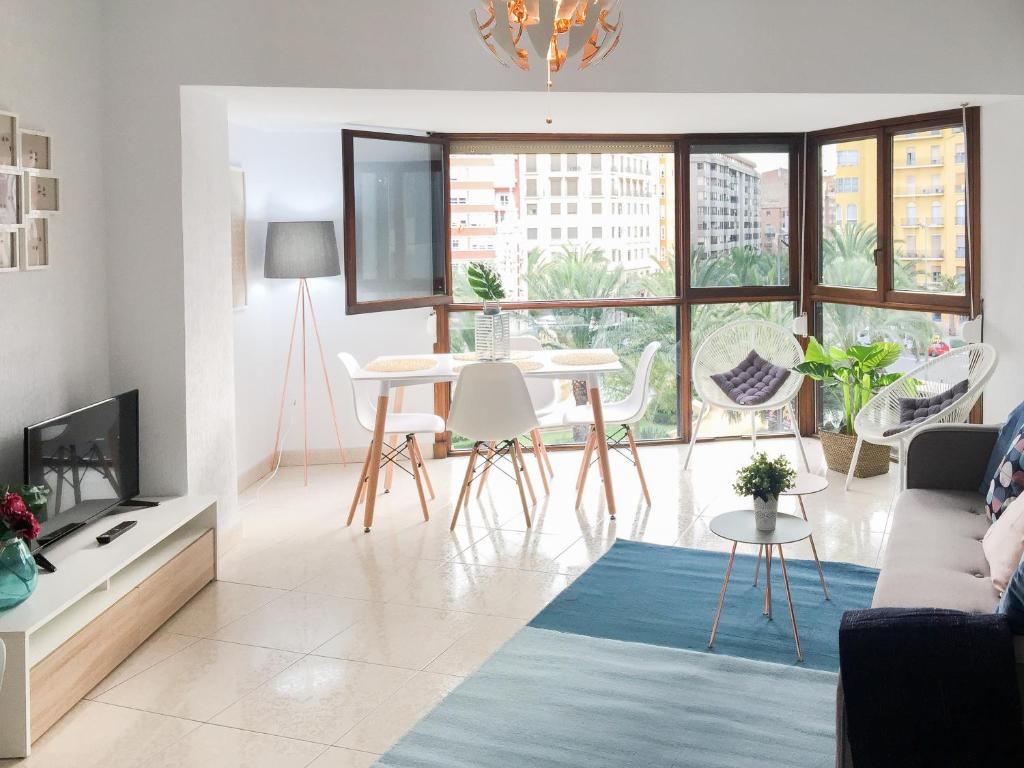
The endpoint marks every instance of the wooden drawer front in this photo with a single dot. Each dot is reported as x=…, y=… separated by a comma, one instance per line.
x=60, y=680
x=163, y=593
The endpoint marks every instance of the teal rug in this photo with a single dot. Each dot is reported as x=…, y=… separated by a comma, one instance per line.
x=615, y=672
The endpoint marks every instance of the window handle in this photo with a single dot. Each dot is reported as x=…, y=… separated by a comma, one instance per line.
x=878, y=257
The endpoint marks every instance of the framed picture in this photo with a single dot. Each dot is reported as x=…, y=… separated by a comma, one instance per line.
x=35, y=243
x=42, y=192
x=11, y=211
x=9, y=250
x=239, y=273
x=36, y=150
x=8, y=140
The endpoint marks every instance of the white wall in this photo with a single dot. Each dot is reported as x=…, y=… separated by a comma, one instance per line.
x=53, y=342
x=294, y=176
x=1002, y=249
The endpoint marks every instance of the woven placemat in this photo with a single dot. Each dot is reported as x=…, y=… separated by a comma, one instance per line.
x=584, y=358
x=401, y=364
x=469, y=356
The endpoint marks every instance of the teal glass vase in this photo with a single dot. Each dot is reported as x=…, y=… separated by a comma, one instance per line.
x=17, y=572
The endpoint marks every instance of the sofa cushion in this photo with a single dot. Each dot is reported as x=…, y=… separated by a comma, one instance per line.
x=914, y=410
x=1014, y=424
x=752, y=381
x=1008, y=481
x=934, y=557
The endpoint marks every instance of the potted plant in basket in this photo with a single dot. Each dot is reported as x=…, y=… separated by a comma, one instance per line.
x=18, y=525
x=493, y=341
x=763, y=479
x=858, y=372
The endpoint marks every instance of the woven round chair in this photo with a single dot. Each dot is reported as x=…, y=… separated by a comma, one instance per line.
x=726, y=348
x=886, y=419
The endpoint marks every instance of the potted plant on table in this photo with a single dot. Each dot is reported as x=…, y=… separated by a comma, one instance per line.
x=763, y=479
x=492, y=337
x=858, y=372
x=18, y=525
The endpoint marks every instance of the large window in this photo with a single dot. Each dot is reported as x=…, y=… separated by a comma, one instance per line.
x=847, y=204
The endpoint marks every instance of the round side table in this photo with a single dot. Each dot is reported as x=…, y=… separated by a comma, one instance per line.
x=805, y=485
x=739, y=527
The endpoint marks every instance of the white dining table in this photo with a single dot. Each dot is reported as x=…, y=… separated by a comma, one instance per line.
x=447, y=370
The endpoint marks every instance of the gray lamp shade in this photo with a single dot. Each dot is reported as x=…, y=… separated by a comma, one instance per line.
x=297, y=249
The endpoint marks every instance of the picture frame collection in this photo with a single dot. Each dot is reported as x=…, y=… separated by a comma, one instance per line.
x=30, y=195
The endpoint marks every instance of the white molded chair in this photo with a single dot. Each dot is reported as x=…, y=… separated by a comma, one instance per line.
x=492, y=407
x=974, y=363
x=405, y=424
x=625, y=413
x=724, y=349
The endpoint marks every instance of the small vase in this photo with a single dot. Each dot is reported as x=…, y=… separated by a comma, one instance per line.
x=765, y=513
x=492, y=337
x=17, y=572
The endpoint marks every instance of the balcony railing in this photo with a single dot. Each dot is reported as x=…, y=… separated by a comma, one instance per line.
x=919, y=256
x=914, y=222
x=934, y=221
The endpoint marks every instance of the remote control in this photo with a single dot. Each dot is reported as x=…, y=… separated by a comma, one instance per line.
x=117, y=530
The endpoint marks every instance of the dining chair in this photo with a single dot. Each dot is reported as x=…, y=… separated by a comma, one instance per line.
x=404, y=424
x=494, y=430
x=624, y=413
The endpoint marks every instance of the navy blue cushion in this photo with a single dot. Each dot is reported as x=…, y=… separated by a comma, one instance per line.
x=1011, y=604
x=1008, y=482
x=1014, y=424
x=753, y=381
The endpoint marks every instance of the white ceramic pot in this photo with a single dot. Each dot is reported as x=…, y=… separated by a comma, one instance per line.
x=765, y=513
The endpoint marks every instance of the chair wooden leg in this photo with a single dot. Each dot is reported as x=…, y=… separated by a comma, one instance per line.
x=587, y=449
x=487, y=469
x=585, y=469
x=522, y=468
x=416, y=476
x=514, y=454
x=464, y=492
x=636, y=460
x=360, y=488
x=423, y=467
x=539, y=455
x=544, y=452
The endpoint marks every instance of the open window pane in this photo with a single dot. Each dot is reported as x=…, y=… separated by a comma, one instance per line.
x=626, y=330
x=848, y=213
x=564, y=225
x=704, y=320
x=921, y=334
x=395, y=222
x=739, y=216
x=929, y=211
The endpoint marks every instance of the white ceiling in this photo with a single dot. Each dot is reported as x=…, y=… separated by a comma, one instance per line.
x=505, y=111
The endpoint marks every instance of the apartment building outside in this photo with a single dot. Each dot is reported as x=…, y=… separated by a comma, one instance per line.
x=725, y=202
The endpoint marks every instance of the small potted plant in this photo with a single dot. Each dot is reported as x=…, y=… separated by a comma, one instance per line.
x=858, y=373
x=493, y=339
x=18, y=526
x=763, y=479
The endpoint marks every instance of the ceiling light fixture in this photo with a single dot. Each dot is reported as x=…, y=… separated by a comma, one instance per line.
x=558, y=31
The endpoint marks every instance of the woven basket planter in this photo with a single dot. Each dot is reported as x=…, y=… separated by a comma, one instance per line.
x=838, y=448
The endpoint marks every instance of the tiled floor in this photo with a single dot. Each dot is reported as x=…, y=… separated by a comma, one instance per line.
x=321, y=645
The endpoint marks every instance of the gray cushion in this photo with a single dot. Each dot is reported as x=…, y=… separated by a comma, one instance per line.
x=751, y=382
x=914, y=410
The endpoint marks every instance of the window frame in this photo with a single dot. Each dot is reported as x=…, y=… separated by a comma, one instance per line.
x=353, y=306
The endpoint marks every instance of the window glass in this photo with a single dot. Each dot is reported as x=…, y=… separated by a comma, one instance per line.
x=739, y=216
x=564, y=248
x=848, y=189
x=934, y=214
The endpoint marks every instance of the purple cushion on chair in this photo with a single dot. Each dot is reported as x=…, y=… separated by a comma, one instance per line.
x=753, y=381
x=914, y=410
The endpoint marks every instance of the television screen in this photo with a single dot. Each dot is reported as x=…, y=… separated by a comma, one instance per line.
x=89, y=460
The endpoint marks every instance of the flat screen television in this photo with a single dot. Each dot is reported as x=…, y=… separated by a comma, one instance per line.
x=89, y=460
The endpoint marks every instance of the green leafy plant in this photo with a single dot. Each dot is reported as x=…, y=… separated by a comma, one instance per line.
x=34, y=496
x=765, y=478
x=858, y=371
x=485, y=282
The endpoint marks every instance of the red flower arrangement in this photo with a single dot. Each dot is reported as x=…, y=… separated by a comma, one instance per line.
x=16, y=517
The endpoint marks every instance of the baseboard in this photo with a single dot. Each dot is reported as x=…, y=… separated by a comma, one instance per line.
x=262, y=468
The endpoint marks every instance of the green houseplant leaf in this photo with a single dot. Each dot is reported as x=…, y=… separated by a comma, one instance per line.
x=485, y=281
x=765, y=478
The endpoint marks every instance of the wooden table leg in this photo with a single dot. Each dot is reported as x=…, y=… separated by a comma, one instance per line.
x=768, y=581
x=602, y=443
x=757, y=568
x=789, y=599
x=389, y=470
x=721, y=595
x=375, y=451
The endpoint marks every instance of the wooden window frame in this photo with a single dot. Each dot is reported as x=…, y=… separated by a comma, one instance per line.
x=353, y=306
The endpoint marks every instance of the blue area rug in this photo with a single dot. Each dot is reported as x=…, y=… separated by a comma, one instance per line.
x=616, y=672
x=645, y=593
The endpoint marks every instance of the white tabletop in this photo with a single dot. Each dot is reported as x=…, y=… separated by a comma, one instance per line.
x=806, y=484
x=739, y=526
x=448, y=366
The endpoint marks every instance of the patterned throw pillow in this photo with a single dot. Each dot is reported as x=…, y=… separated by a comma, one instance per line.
x=752, y=381
x=1008, y=482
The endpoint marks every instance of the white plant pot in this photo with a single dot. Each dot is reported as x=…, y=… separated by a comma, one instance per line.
x=765, y=513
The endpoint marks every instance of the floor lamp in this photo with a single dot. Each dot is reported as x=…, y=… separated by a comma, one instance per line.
x=300, y=250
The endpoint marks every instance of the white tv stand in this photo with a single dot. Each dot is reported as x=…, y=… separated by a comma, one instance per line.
x=100, y=605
